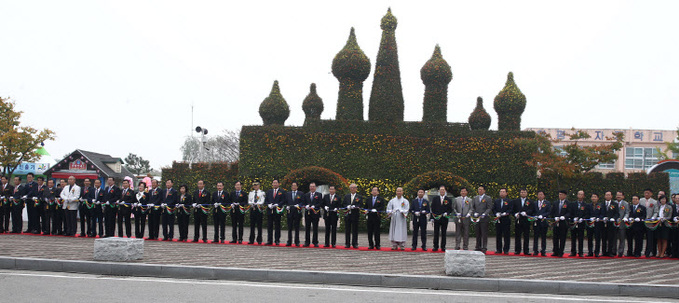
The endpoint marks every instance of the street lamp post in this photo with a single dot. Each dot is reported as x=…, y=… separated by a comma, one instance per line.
x=203, y=140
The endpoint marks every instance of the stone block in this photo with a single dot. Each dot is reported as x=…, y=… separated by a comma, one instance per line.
x=118, y=249
x=464, y=263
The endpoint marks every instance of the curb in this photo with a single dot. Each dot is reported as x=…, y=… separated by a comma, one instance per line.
x=342, y=278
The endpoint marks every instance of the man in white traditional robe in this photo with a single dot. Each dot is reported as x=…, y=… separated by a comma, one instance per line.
x=398, y=209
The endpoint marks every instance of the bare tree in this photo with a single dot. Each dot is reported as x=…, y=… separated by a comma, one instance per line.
x=220, y=148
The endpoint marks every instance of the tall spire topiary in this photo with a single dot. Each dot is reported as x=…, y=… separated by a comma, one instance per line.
x=436, y=75
x=386, y=97
x=274, y=110
x=312, y=105
x=509, y=105
x=479, y=118
x=351, y=67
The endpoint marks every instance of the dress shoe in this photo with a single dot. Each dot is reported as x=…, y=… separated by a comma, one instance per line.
x=355, y=246
x=424, y=249
x=268, y=243
x=543, y=254
x=346, y=246
x=240, y=242
x=498, y=252
x=370, y=247
x=580, y=255
x=590, y=254
x=326, y=245
x=307, y=245
x=288, y=244
x=251, y=243
x=333, y=246
x=278, y=243
x=434, y=249
x=232, y=242
x=315, y=245
x=377, y=247
x=572, y=255
x=414, y=249
x=194, y=241
x=443, y=249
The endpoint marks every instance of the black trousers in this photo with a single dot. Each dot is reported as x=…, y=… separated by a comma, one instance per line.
x=440, y=228
x=110, y=222
x=650, y=243
x=183, y=223
x=168, y=225
x=125, y=214
x=139, y=223
x=200, y=222
x=560, y=234
x=593, y=240
x=638, y=236
x=17, y=219
x=374, y=230
x=540, y=233
x=351, y=230
x=237, y=221
x=85, y=218
x=420, y=229
x=71, y=222
x=293, y=224
x=577, y=233
x=97, y=219
x=610, y=232
x=32, y=213
x=522, y=230
x=5, y=214
x=502, y=235
x=331, y=229
x=154, y=223
x=40, y=216
x=311, y=226
x=219, y=219
x=256, y=218
x=273, y=227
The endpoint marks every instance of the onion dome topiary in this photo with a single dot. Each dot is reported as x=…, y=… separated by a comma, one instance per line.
x=479, y=119
x=351, y=67
x=274, y=110
x=436, y=74
x=386, y=97
x=509, y=105
x=312, y=105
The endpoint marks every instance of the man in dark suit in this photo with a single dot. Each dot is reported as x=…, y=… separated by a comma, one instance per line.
x=597, y=213
x=611, y=214
x=579, y=212
x=58, y=226
x=543, y=211
x=154, y=210
x=112, y=193
x=561, y=212
x=523, y=208
x=18, y=198
x=312, y=203
x=220, y=199
x=238, y=199
x=31, y=193
x=441, y=207
x=99, y=197
x=85, y=209
x=503, y=209
x=331, y=203
x=374, y=206
x=169, y=203
x=127, y=197
x=638, y=215
x=49, y=195
x=201, y=201
x=294, y=203
x=7, y=191
x=275, y=202
x=419, y=208
x=352, y=202
x=40, y=205
x=141, y=199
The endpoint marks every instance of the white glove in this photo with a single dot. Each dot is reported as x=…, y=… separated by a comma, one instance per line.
x=424, y=212
x=445, y=214
x=653, y=218
x=459, y=214
x=24, y=197
x=275, y=205
x=612, y=220
x=476, y=214
x=307, y=207
x=287, y=207
x=150, y=205
x=136, y=205
x=251, y=203
x=575, y=219
x=556, y=219
x=313, y=206
x=117, y=202
x=676, y=219
x=97, y=203
x=163, y=205
x=497, y=214
x=417, y=213
x=636, y=220
x=270, y=206
x=523, y=213
x=591, y=219
x=234, y=204
x=374, y=210
x=580, y=221
x=504, y=214
x=516, y=215
x=605, y=218
x=562, y=218
x=327, y=208
x=540, y=217
x=468, y=215
x=625, y=219
x=195, y=205
x=107, y=203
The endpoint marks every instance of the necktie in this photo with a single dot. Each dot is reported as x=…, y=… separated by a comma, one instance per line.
x=608, y=204
x=523, y=202
x=167, y=193
x=561, y=204
x=294, y=193
x=374, y=201
x=275, y=192
x=420, y=200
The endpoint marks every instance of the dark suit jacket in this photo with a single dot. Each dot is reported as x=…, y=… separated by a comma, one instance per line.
x=598, y=210
x=415, y=205
x=154, y=196
x=187, y=201
x=19, y=191
x=358, y=202
x=203, y=198
x=529, y=207
x=439, y=207
x=112, y=195
x=240, y=198
x=129, y=197
x=293, y=200
x=581, y=211
x=336, y=203
x=143, y=200
x=612, y=211
x=86, y=193
x=31, y=190
x=169, y=197
x=380, y=205
x=639, y=213
x=8, y=191
x=316, y=202
x=564, y=211
x=503, y=206
x=278, y=199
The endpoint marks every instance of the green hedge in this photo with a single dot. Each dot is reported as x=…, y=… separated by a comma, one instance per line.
x=380, y=151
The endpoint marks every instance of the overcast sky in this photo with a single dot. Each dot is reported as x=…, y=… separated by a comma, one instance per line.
x=120, y=76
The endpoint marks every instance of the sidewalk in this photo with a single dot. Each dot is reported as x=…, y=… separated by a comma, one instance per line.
x=636, y=271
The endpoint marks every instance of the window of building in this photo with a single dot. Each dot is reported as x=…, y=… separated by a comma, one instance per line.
x=559, y=151
x=640, y=157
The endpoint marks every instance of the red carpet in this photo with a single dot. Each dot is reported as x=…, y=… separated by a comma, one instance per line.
x=363, y=248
